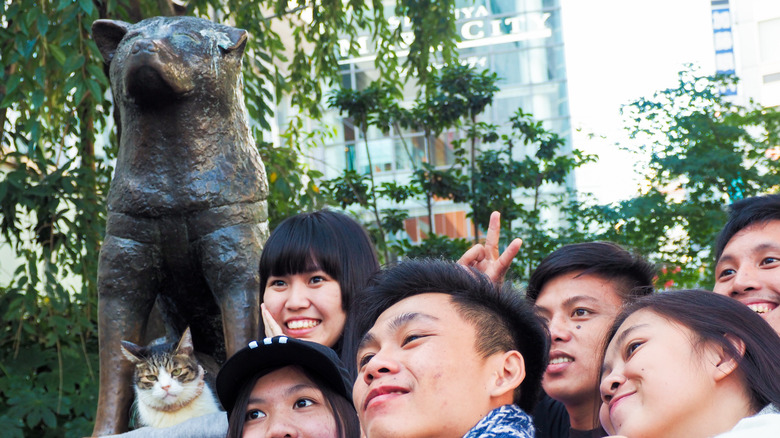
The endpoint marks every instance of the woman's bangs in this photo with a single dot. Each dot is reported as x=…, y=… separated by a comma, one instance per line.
x=301, y=252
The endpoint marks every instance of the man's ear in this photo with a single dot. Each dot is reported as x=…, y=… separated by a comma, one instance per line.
x=509, y=373
x=726, y=363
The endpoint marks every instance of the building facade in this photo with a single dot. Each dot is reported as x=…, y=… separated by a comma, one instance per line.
x=747, y=43
x=521, y=41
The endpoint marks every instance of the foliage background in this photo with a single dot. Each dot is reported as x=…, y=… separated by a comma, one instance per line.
x=58, y=137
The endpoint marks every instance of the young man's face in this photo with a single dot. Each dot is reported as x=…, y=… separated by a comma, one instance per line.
x=579, y=311
x=749, y=270
x=419, y=373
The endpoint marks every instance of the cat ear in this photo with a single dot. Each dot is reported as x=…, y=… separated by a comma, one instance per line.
x=185, y=344
x=131, y=352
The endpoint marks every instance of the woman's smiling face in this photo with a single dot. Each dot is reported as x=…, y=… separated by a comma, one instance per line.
x=307, y=306
x=654, y=380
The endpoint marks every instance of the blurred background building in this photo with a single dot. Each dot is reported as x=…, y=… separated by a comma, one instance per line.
x=746, y=34
x=521, y=41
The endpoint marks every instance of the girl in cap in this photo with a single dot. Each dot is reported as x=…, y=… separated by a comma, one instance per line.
x=693, y=364
x=283, y=386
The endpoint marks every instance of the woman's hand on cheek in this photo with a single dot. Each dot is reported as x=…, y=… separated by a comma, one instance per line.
x=272, y=328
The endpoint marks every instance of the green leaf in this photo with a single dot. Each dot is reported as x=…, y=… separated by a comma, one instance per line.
x=27, y=48
x=37, y=98
x=86, y=6
x=49, y=419
x=73, y=62
x=12, y=427
x=33, y=418
x=57, y=53
x=12, y=83
x=79, y=94
x=43, y=24
x=97, y=73
x=94, y=88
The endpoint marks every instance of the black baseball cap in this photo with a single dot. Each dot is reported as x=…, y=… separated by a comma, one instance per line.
x=269, y=354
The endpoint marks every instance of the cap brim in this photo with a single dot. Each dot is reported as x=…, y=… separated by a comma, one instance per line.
x=273, y=353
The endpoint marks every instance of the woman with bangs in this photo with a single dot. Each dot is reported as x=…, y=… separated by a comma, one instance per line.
x=311, y=270
x=691, y=364
x=314, y=266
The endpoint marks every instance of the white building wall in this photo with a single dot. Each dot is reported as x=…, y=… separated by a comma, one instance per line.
x=756, y=30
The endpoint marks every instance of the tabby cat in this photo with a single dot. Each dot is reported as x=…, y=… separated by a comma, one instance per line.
x=170, y=385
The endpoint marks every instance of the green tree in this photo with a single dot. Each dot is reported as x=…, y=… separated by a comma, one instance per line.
x=529, y=162
x=486, y=173
x=704, y=152
x=58, y=139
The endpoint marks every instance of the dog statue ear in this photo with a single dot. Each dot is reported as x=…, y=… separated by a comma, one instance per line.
x=107, y=35
x=237, y=41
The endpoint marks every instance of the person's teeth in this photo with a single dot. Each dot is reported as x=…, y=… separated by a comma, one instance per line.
x=759, y=308
x=302, y=324
x=558, y=360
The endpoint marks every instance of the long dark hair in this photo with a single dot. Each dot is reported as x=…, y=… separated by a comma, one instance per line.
x=326, y=240
x=347, y=423
x=713, y=319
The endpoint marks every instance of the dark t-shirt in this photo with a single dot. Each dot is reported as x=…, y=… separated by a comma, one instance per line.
x=552, y=421
x=595, y=433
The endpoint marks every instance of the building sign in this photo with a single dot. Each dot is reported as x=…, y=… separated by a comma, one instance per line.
x=724, y=41
x=476, y=27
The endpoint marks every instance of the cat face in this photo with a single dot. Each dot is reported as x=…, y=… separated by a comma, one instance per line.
x=165, y=378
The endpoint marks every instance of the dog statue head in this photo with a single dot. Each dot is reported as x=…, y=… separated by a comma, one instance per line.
x=162, y=59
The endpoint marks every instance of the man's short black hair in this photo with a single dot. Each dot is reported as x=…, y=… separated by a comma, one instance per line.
x=631, y=275
x=745, y=213
x=502, y=319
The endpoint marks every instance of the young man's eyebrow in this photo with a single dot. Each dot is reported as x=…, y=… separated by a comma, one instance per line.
x=725, y=259
x=767, y=246
x=755, y=250
x=395, y=324
x=568, y=302
x=405, y=318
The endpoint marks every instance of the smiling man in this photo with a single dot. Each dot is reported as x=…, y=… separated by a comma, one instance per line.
x=579, y=289
x=444, y=353
x=748, y=256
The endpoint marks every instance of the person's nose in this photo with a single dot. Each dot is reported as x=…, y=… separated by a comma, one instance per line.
x=560, y=329
x=281, y=426
x=745, y=280
x=381, y=364
x=610, y=384
x=299, y=296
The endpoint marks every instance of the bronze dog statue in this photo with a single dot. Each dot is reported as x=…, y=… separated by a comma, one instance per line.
x=187, y=216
